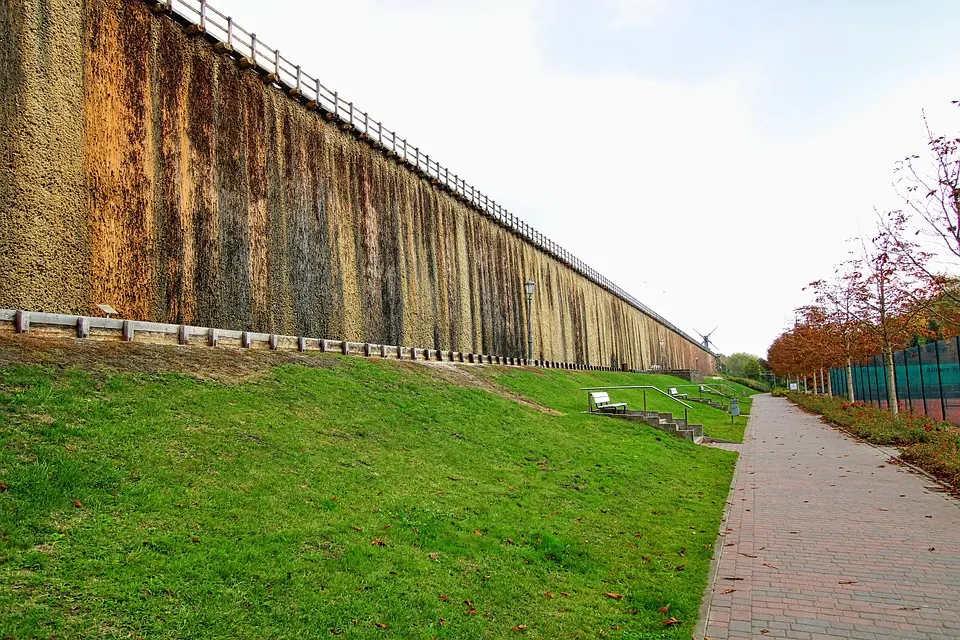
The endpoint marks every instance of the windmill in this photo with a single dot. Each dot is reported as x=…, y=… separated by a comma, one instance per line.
x=706, y=339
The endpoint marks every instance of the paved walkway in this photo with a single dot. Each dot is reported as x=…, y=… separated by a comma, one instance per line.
x=826, y=540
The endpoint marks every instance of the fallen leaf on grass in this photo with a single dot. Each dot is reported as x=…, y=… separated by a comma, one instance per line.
x=77, y=504
x=565, y=594
x=478, y=532
x=442, y=621
x=846, y=582
x=355, y=528
x=444, y=599
x=377, y=542
x=4, y=486
x=433, y=556
x=633, y=612
x=647, y=558
x=549, y=595
x=519, y=627
x=615, y=596
x=381, y=625
x=670, y=621
x=194, y=540
x=680, y=567
x=664, y=609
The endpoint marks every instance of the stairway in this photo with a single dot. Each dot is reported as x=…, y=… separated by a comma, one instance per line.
x=665, y=422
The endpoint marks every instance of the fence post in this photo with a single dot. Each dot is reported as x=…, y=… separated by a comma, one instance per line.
x=923, y=389
x=943, y=403
x=906, y=369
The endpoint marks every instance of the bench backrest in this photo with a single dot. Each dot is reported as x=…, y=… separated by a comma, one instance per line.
x=600, y=398
x=673, y=391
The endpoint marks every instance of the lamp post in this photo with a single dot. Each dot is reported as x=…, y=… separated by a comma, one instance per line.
x=529, y=285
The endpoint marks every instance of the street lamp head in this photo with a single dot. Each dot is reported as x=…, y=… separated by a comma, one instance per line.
x=530, y=285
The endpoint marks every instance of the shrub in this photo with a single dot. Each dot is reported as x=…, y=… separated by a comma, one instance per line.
x=779, y=392
x=930, y=444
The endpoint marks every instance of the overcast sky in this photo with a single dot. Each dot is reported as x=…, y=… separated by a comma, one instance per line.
x=711, y=157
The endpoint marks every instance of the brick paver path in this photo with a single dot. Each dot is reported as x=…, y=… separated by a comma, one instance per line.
x=811, y=512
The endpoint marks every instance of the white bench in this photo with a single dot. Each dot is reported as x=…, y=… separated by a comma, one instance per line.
x=673, y=392
x=601, y=400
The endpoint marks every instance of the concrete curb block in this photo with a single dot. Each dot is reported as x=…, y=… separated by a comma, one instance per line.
x=126, y=330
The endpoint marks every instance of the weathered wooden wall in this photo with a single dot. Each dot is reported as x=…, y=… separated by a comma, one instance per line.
x=176, y=187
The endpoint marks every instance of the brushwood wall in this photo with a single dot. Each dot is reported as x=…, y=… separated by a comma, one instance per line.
x=143, y=169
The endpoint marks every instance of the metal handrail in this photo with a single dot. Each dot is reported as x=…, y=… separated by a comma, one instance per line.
x=644, y=387
x=298, y=83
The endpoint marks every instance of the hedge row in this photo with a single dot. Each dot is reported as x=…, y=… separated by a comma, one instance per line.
x=930, y=444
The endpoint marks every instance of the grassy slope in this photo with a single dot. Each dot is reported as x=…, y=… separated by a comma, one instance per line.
x=561, y=390
x=163, y=506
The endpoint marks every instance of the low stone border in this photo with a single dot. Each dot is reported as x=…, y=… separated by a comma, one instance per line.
x=91, y=328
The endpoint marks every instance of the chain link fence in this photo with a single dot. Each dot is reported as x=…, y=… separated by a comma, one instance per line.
x=927, y=380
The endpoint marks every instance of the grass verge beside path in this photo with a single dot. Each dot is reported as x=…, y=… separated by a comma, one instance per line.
x=350, y=497
x=561, y=390
x=932, y=445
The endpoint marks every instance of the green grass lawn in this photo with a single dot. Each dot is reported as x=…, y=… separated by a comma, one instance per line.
x=561, y=389
x=349, y=498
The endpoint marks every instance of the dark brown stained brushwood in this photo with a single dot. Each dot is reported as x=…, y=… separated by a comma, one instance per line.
x=233, y=196
x=205, y=276
x=147, y=171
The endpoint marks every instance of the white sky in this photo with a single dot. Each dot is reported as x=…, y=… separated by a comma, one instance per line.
x=711, y=157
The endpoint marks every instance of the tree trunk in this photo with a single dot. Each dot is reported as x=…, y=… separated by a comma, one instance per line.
x=829, y=383
x=891, y=381
x=816, y=385
x=850, y=380
x=805, y=384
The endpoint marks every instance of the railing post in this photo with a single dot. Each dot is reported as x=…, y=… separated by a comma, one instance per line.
x=923, y=389
x=906, y=373
x=203, y=15
x=229, y=32
x=943, y=403
x=253, y=49
x=298, y=78
x=336, y=104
